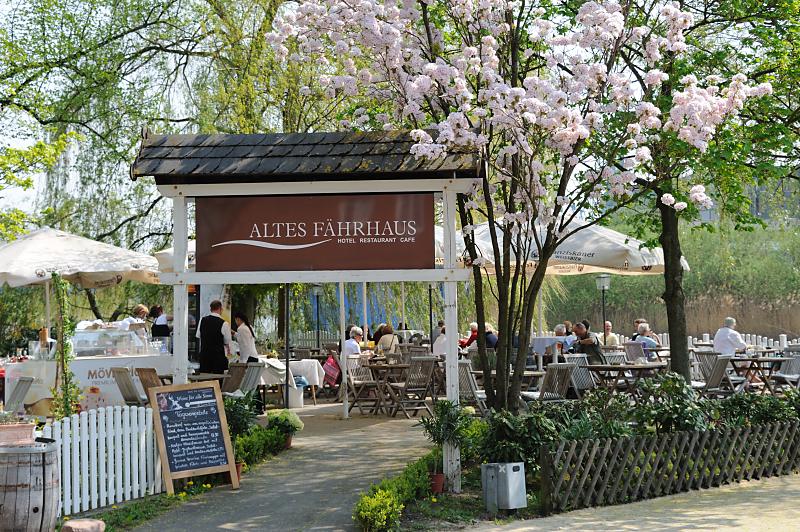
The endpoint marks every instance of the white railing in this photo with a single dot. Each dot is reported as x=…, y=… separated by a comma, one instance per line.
x=309, y=338
x=106, y=456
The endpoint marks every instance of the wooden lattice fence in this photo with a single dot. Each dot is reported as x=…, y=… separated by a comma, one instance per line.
x=583, y=473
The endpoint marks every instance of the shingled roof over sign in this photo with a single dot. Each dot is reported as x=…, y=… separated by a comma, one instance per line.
x=192, y=159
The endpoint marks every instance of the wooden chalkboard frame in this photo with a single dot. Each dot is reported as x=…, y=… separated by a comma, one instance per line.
x=168, y=475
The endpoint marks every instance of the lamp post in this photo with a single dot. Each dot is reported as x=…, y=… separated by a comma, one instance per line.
x=316, y=290
x=431, y=286
x=603, y=283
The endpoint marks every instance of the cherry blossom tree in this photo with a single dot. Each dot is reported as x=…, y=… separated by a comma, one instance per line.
x=563, y=101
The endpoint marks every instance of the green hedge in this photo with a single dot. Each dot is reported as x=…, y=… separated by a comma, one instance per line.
x=258, y=444
x=380, y=507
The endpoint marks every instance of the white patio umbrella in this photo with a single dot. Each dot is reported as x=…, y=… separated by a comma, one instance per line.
x=33, y=258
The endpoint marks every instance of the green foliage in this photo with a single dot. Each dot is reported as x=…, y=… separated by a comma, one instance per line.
x=746, y=409
x=259, y=443
x=240, y=413
x=449, y=424
x=668, y=404
x=67, y=392
x=518, y=438
x=378, y=511
x=473, y=439
x=285, y=420
x=380, y=508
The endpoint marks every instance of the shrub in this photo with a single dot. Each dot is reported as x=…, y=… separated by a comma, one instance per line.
x=517, y=438
x=474, y=435
x=240, y=413
x=668, y=404
x=747, y=409
x=258, y=444
x=448, y=424
x=285, y=420
x=380, y=508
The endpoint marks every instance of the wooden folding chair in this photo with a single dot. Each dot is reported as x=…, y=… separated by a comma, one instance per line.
x=362, y=386
x=412, y=395
x=615, y=358
x=582, y=378
x=468, y=392
x=717, y=379
x=302, y=353
x=127, y=387
x=707, y=361
x=557, y=377
x=252, y=376
x=634, y=351
x=15, y=400
x=149, y=379
x=236, y=371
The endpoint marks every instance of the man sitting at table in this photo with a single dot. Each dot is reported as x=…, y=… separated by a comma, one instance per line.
x=352, y=346
x=727, y=340
x=608, y=338
x=215, y=340
x=643, y=337
x=586, y=342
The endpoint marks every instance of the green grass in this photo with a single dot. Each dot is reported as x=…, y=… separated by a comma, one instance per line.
x=126, y=516
x=453, y=511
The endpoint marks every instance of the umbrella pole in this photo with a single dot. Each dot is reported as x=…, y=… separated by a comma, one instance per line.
x=403, y=304
x=364, y=308
x=344, y=365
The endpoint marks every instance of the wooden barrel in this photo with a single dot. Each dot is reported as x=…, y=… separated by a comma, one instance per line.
x=29, y=487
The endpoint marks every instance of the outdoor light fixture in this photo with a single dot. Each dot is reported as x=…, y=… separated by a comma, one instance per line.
x=316, y=291
x=603, y=282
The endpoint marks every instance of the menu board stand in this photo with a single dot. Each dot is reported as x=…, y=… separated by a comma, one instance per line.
x=192, y=432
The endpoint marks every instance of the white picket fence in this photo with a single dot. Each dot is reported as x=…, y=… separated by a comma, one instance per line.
x=107, y=456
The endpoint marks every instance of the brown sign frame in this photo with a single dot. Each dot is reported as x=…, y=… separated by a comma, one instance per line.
x=325, y=232
x=170, y=476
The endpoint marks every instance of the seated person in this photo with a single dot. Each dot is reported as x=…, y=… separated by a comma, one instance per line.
x=586, y=342
x=491, y=337
x=607, y=337
x=352, y=346
x=440, y=344
x=727, y=340
x=653, y=336
x=643, y=337
x=473, y=336
x=388, y=344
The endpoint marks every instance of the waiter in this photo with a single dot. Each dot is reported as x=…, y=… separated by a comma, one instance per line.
x=215, y=341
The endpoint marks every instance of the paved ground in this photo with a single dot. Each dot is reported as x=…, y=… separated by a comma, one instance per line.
x=314, y=485
x=762, y=505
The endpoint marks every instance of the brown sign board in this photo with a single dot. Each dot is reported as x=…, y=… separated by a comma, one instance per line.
x=322, y=232
x=192, y=432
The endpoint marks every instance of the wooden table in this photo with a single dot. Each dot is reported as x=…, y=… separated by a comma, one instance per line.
x=384, y=374
x=761, y=367
x=611, y=375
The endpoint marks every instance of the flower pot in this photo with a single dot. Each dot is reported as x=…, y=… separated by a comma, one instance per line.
x=437, y=482
x=288, y=443
x=16, y=433
x=239, y=470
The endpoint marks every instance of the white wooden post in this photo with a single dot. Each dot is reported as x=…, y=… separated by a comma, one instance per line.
x=345, y=367
x=134, y=452
x=84, y=469
x=452, y=454
x=180, y=348
x=782, y=340
x=364, y=306
x=102, y=457
x=118, y=454
x=76, y=463
x=403, y=303
x=66, y=460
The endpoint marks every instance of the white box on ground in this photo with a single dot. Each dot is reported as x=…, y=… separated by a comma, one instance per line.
x=296, y=397
x=504, y=486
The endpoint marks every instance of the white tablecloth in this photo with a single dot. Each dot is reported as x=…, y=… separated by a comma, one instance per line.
x=309, y=368
x=275, y=371
x=540, y=343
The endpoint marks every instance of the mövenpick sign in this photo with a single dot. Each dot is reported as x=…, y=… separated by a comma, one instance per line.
x=332, y=232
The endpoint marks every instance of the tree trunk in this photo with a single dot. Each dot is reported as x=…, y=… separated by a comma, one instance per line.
x=93, y=303
x=673, y=291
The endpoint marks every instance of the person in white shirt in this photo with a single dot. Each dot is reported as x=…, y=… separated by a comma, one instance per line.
x=351, y=346
x=245, y=337
x=440, y=344
x=727, y=340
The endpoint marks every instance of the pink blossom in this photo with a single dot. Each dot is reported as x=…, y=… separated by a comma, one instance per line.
x=679, y=206
x=668, y=199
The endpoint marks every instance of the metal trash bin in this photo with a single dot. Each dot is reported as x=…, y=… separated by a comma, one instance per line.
x=504, y=486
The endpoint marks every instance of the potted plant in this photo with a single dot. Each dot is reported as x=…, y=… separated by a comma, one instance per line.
x=14, y=429
x=448, y=425
x=285, y=421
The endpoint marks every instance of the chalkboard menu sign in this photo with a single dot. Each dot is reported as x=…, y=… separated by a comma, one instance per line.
x=192, y=431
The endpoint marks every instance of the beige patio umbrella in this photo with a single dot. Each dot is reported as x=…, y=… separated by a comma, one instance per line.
x=33, y=258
